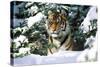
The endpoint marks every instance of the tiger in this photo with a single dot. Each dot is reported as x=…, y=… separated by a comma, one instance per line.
x=59, y=33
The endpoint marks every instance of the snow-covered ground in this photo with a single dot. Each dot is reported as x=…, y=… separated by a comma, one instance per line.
x=56, y=58
x=89, y=54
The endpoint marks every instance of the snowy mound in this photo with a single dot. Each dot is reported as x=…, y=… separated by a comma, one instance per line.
x=60, y=57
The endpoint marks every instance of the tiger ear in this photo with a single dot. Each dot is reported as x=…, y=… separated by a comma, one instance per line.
x=50, y=12
x=65, y=13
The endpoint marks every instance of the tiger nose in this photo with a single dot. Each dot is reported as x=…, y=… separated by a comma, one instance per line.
x=53, y=28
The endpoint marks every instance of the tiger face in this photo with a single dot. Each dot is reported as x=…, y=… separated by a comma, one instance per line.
x=56, y=24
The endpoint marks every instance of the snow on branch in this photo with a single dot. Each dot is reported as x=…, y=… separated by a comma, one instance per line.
x=90, y=52
x=34, y=19
x=86, y=25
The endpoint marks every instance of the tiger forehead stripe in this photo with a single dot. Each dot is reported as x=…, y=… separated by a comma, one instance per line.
x=53, y=16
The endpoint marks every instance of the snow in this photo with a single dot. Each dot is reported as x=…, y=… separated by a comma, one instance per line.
x=34, y=19
x=27, y=60
x=35, y=32
x=17, y=29
x=17, y=44
x=28, y=4
x=87, y=55
x=24, y=50
x=56, y=58
x=21, y=39
x=90, y=53
x=24, y=29
x=90, y=41
x=91, y=15
x=60, y=57
x=34, y=8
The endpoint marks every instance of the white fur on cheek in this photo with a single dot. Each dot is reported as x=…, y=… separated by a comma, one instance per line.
x=54, y=35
